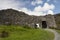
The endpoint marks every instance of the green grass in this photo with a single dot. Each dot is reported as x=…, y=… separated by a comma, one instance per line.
x=20, y=33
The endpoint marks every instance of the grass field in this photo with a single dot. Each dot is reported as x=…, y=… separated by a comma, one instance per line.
x=20, y=33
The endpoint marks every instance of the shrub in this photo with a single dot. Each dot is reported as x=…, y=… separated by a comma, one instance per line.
x=4, y=34
x=52, y=27
x=26, y=26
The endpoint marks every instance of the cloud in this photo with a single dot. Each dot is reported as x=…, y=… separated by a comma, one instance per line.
x=36, y=2
x=29, y=12
x=40, y=10
x=50, y=12
x=46, y=7
x=4, y=4
x=37, y=11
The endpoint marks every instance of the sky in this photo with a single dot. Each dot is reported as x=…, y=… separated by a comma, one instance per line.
x=32, y=7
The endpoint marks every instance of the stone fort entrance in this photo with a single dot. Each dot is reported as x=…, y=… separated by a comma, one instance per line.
x=44, y=24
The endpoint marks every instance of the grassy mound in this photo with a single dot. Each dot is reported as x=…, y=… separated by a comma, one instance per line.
x=20, y=33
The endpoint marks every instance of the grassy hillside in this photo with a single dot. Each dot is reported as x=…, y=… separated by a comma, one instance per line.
x=20, y=33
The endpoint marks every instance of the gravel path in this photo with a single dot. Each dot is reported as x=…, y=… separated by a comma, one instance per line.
x=57, y=35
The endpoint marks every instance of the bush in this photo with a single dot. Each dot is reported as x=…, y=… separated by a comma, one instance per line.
x=26, y=26
x=4, y=34
x=52, y=27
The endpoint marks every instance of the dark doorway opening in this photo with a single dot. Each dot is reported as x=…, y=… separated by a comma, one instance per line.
x=44, y=24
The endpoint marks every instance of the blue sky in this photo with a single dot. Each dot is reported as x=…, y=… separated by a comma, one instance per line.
x=32, y=7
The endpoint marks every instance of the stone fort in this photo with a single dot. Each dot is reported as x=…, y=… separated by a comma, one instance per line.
x=13, y=17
